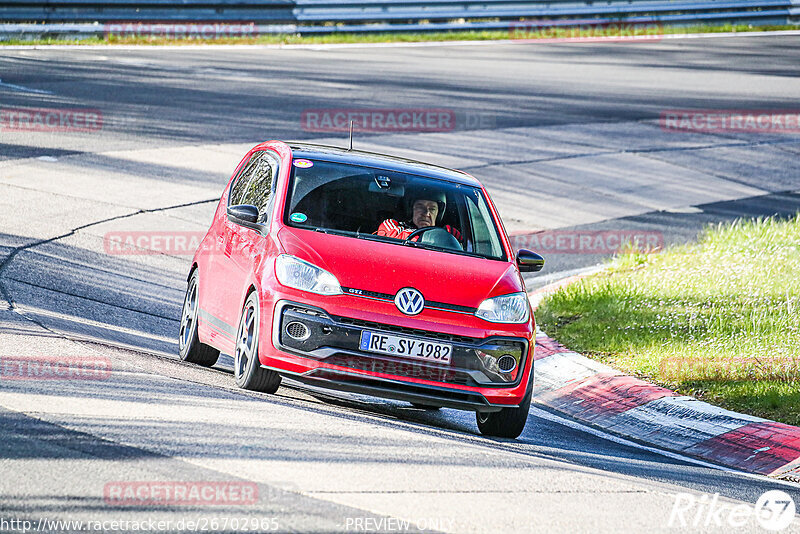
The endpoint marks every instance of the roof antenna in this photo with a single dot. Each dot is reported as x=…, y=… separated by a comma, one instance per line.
x=351, y=136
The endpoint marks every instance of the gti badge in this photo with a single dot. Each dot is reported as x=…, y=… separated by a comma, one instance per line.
x=409, y=301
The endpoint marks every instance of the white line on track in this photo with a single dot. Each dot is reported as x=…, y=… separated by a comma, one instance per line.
x=26, y=311
x=333, y=46
x=23, y=89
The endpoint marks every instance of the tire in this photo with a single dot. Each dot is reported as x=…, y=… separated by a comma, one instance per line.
x=508, y=422
x=189, y=347
x=247, y=370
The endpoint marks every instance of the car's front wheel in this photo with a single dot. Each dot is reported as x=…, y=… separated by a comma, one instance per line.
x=247, y=370
x=189, y=347
x=508, y=422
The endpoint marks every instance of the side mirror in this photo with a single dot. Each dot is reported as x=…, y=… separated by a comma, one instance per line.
x=529, y=262
x=245, y=215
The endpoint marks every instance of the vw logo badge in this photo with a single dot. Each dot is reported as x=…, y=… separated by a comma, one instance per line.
x=409, y=301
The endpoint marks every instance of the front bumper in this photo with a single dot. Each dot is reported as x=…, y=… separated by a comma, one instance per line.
x=472, y=380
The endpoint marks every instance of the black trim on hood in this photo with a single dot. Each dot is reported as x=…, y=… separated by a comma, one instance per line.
x=429, y=304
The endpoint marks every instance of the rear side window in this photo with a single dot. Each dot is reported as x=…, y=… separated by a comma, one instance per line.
x=256, y=183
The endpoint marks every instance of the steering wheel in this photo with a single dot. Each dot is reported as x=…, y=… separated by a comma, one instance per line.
x=436, y=236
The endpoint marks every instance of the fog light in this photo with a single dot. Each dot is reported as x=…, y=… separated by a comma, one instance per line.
x=506, y=363
x=297, y=330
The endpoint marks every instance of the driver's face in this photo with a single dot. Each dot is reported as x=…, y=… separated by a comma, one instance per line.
x=424, y=213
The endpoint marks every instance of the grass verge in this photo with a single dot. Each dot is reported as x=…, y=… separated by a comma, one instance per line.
x=391, y=37
x=719, y=319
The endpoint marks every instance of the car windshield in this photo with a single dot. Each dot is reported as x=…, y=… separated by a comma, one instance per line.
x=391, y=206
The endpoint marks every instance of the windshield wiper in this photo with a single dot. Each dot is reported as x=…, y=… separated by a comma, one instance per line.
x=428, y=246
x=334, y=232
x=373, y=237
x=359, y=235
x=385, y=239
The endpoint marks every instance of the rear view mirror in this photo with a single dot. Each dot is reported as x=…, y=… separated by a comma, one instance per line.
x=244, y=214
x=387, y=188
x=529, y=262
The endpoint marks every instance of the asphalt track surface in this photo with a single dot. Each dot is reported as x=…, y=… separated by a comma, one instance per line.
x=565, y=136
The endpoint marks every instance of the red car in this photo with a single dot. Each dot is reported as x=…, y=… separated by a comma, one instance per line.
x=366, y=273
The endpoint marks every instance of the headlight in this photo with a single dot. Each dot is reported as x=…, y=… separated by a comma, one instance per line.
x=299, y=274
x=513, y=308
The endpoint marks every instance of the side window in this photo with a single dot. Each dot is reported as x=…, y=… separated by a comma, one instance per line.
x=486, y=241
x=255, y=183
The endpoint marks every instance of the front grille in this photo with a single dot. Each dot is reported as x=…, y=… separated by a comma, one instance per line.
x=408, y=331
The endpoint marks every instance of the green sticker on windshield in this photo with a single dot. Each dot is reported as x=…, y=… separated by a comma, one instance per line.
x=298, y=217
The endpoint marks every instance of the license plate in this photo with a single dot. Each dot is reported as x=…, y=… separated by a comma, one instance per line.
x=405, y=347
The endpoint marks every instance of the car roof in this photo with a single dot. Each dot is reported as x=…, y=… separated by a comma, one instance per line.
x=381, y=161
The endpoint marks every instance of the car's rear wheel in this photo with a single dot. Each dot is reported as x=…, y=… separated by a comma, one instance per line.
x=508, y=422
x=247, y=370
x=189, y=347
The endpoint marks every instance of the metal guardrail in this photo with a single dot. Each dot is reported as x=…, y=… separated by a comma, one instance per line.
x=146, y=10
x=75, y=17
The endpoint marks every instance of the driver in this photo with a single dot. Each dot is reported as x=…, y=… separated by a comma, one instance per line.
x=424, y=207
